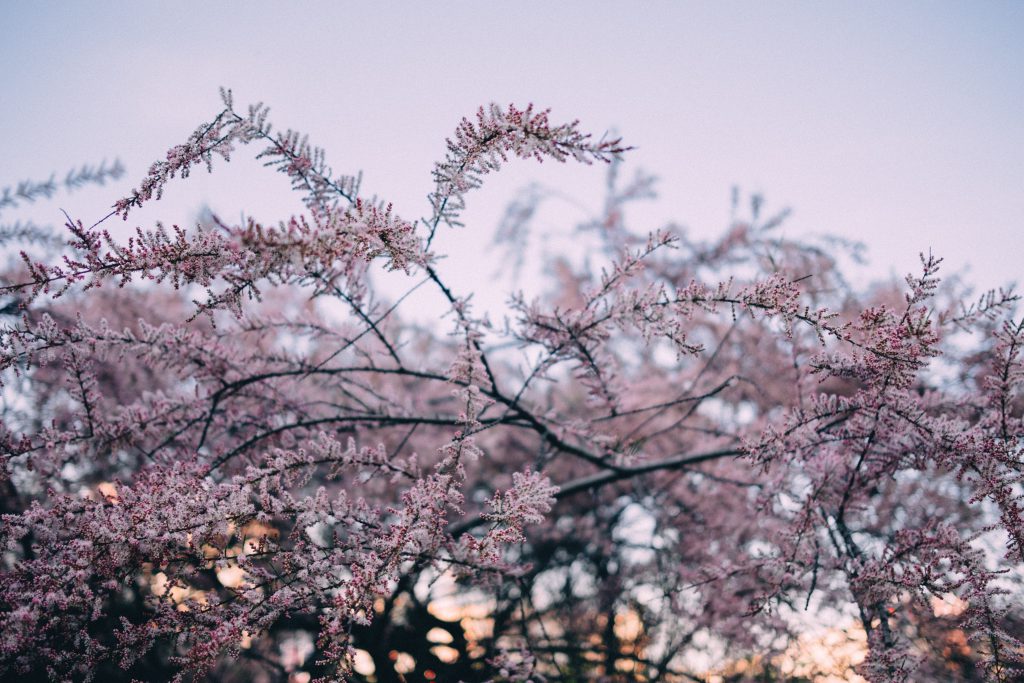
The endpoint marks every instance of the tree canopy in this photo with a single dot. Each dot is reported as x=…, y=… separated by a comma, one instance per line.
x=228, y=455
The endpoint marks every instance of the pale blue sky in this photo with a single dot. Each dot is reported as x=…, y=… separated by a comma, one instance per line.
x=901, y=124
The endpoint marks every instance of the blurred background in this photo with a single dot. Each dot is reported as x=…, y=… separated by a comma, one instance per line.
x=901, y=125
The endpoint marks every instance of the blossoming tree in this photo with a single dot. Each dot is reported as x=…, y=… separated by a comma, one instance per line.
x=227, y=456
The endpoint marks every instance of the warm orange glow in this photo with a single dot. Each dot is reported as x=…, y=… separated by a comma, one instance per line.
x=231, y=576
x=624, y=665
x=256, y=529
x=472, y=615
x=628, y=626
x=835, y=650
x=256, y=534
x=363, y=664
x=404, y=663
x=948, y=605
x=446, y=654
x=179, y=594
x=824, y=656
x=439, y=635
x=108, y=491
x=956, y=644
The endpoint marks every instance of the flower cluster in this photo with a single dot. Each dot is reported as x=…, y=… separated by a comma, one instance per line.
x=663, y=469
x=480, y=147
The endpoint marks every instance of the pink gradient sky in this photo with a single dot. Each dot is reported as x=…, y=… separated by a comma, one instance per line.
x=899, y=124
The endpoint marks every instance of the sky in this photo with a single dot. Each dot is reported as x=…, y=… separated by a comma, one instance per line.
x=898, y=124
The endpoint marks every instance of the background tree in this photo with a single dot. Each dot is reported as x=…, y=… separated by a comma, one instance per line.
x=227, y=456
